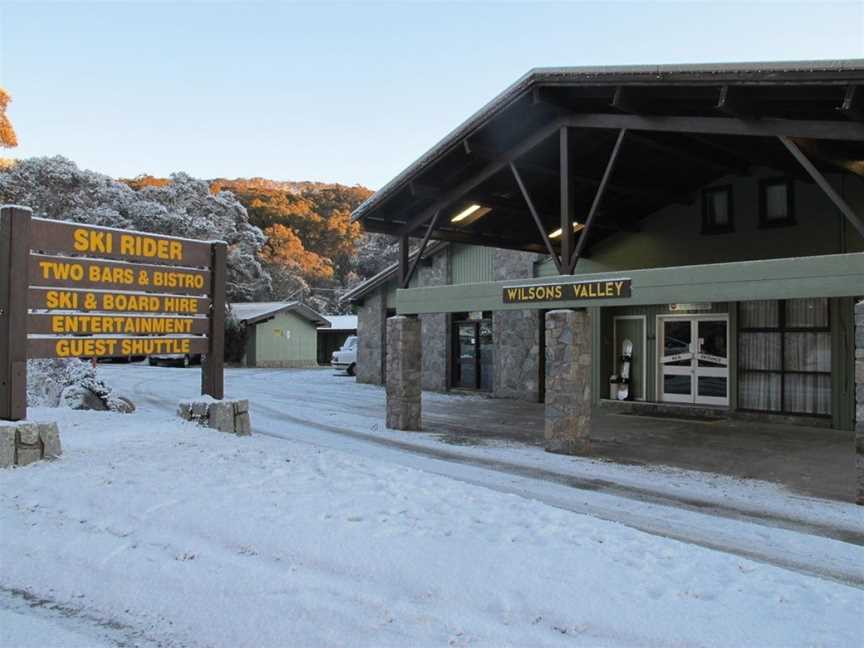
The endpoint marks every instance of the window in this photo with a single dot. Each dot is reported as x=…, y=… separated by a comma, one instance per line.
x=717, y=210
x=776, y=203
x=784, y=359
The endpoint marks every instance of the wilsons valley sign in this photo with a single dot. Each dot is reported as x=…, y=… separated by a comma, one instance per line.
x=553, y=292
x=70, y=290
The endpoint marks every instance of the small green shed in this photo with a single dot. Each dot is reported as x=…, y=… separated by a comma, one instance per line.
x=279, y=334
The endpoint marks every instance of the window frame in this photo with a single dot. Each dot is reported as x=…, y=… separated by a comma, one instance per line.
x=713, y=228
x=782, y=329
x=787, y=182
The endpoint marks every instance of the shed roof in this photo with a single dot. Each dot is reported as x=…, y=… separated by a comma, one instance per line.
x=340, y=323
x=255, y=312
x=664, y=160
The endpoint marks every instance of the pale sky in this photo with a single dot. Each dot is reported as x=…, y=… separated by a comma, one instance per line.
x=350, y=92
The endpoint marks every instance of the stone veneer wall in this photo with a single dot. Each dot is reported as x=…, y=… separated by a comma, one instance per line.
x=859, y=401
x=434, y=330
x=516, y=334
x=370, y=338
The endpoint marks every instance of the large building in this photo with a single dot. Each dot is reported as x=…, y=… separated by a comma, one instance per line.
x=710, y=215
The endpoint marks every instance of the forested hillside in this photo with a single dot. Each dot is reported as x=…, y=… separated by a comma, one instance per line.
x=287, y=240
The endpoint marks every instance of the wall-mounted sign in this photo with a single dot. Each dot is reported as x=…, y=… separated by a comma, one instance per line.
x=679, y=308
x=579, y=291
x=69, y=290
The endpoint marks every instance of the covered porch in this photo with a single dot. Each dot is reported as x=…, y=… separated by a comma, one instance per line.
x=806, y=460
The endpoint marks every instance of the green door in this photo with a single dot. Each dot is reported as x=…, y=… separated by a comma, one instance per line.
x=631, y=327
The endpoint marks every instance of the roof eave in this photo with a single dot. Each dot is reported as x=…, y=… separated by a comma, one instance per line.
x=709, y=73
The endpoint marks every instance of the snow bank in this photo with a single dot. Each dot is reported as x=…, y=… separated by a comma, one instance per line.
x=71, y=383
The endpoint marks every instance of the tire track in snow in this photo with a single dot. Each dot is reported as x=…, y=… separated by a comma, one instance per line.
x=660, y=514
x=80, y=622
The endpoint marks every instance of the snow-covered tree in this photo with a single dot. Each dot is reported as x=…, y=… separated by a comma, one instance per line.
x=56, y=188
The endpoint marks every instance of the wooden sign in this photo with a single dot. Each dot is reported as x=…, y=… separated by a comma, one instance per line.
x=69, y=290
x=107, y=347
x=64, y=237
x=106, y=324
x=70, y=272
x=555, y=292
x=97, y=300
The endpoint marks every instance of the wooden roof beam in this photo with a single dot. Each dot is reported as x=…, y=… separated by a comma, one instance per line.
x=623, y=100
x=854, y=219
x=852, y=106
x=688, y=157
x=731, y=103
x=419, y=190
x=592, y=213
x=765, y=127
x=537, y=220
x=484, y=174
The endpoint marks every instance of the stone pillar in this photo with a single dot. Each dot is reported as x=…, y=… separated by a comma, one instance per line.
x=404, y=362
x=859, y=401
x=568, y=382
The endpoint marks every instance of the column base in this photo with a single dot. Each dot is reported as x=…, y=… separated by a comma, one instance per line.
x=578, y=447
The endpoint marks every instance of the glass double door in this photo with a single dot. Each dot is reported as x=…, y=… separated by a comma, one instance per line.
x=472, y=362
x=694, y=360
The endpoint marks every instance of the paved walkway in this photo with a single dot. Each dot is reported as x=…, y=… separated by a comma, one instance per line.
x=812, y=461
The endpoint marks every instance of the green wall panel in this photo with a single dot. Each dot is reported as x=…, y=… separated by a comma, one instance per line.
x=287, y=340
x=471, y=264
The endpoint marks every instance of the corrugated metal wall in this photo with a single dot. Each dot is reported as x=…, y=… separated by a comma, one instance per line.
x=471, y=264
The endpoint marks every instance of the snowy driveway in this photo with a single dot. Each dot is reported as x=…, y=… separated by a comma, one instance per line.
x=316, y=406
x=154, y=532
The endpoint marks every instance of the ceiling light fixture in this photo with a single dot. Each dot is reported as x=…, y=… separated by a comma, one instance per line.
x=465, y=213
x=576, y=227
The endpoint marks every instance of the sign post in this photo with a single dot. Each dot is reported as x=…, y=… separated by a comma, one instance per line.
x=14, y=248
x=70, y=290
x=213, y=367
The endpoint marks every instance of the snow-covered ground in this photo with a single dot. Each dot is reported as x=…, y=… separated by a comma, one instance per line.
x=751, y=518
x=150, y=531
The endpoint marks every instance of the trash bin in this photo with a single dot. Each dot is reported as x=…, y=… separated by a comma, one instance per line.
x=613, y=387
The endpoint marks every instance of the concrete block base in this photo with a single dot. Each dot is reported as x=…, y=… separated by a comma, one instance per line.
x=567, y=427
x=25, y=442
x=404, y=369
x=230, y=416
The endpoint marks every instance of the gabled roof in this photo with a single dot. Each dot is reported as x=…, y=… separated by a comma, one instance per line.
x=340, y=323
x=388, y=273
x=662, y=162
x=255, y=312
